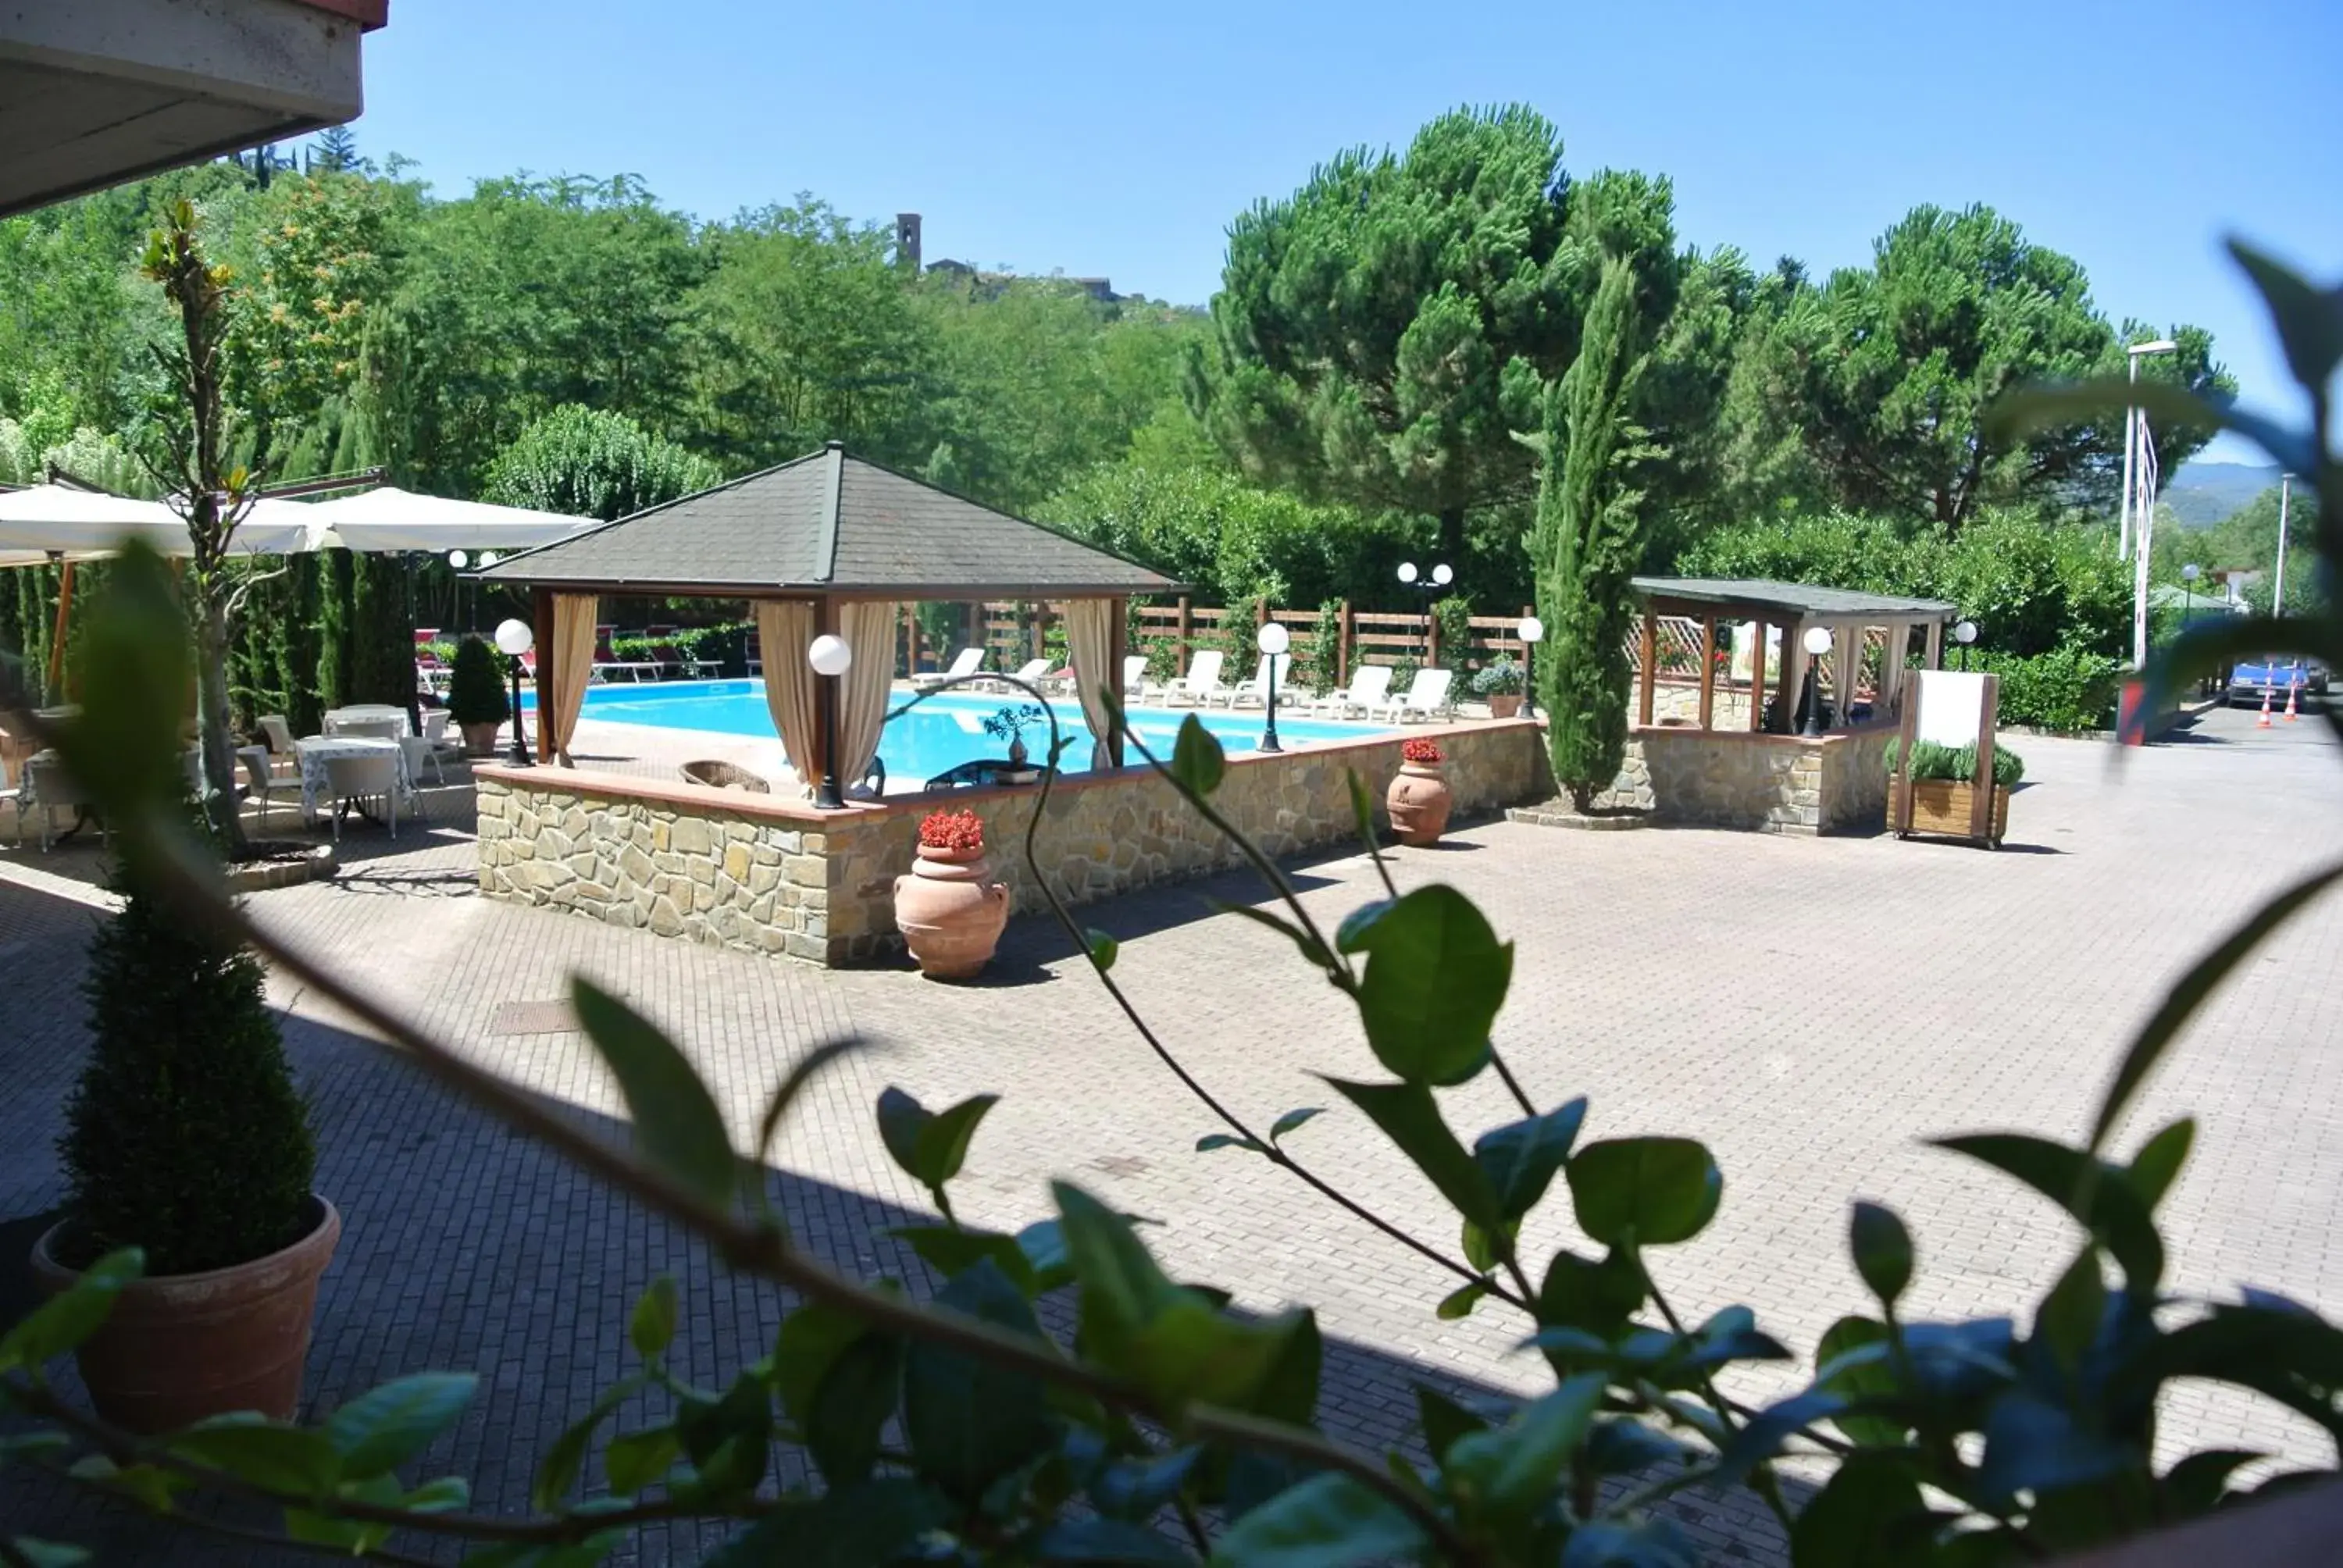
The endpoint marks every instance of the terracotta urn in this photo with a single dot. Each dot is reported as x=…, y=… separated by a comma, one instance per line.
x=1504, y=705
x=1419, y=803
x=950, y=915
x=480, y=739
x=177, y=1347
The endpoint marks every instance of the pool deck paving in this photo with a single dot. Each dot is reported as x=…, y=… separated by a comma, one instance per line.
x=1811, y=1008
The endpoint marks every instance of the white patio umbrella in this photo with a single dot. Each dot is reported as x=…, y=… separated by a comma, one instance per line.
x=57, y=522
x=391, y=519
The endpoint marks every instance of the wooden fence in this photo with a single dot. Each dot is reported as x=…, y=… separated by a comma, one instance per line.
x=1171, y=634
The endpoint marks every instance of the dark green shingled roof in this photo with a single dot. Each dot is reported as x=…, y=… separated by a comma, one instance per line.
x=1792, y=600
x=830, y=521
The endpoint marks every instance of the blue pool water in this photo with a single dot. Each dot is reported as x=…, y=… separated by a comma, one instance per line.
x=941, y=732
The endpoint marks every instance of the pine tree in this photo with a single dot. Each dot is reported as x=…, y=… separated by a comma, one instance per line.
x=186, y=1135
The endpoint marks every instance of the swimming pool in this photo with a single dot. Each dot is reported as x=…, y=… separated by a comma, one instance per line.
x=944, y=730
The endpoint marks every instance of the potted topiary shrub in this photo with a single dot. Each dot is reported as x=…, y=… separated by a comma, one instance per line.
x=475, y=696
x=950, y=915
x=187, y=1138
x=1501, y=681
x=1940, y=784
x=1419, y=800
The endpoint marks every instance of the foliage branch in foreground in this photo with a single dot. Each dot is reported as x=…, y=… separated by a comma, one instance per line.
x=961, y=1429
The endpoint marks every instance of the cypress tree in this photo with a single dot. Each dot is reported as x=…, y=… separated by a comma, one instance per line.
x=1588, y=537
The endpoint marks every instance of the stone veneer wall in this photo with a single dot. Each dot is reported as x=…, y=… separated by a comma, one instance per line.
x=1760, y=783
x=774, y=876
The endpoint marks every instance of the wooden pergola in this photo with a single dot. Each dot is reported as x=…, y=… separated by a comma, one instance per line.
x=1793, y=608
x=832, y=531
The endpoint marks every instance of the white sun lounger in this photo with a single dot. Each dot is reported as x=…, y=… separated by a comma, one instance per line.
x=1195, y=688
x=1370, y=688
x=968, y=662
x=1427, y=699
x=1255, y=690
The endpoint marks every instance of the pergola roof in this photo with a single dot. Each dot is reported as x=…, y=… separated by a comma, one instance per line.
x=1792, y=601
x=829, y=523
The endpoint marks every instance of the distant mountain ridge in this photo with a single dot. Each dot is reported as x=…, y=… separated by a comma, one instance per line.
x=2202, y=494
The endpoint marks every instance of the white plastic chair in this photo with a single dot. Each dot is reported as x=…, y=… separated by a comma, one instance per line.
x=1426, y=698
x=1134, y=679
x=1033, y=671
x=966, y=663
x=351, y=780
x=54, y=789
x=1370, y=687
x=421, y=754
x=279, y=736
x=1196, y=688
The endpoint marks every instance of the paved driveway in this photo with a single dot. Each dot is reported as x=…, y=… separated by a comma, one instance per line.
x=1810, y=1007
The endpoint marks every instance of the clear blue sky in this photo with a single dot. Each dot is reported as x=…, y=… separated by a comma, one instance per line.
x=1119, y=140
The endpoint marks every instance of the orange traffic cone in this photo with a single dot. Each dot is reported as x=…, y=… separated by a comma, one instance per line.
x=2289, y=704
x=2264, y=722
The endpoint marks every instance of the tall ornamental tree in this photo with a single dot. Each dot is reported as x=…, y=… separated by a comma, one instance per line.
x=1588, y=534
x=1382, y=332
x=1883, y=372
x=190, y=461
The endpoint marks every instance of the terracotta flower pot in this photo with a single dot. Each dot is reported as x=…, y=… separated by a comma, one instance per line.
x=951, y=916
x=1505, y=704
x=1419, y=803
x=480, y=739
x=177, y=1347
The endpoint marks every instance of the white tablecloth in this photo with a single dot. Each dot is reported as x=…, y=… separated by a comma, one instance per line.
x=313, y=749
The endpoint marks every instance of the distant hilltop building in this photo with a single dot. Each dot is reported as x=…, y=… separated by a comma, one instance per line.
x=907, y=253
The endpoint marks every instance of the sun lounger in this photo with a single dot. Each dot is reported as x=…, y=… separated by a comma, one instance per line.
x=1370, y=687
x=1195, y=688
x=966, y=663
x=1426, y=698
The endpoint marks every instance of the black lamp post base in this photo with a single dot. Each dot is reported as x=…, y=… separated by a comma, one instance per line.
x=518, y=755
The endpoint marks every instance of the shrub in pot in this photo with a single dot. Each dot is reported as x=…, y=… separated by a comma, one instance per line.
x=950, y=915
x=475, y=696
x=1501, y=681
x=186, y=1137
x=1419, y=800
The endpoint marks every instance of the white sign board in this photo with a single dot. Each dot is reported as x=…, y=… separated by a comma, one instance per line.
x=1949, y=704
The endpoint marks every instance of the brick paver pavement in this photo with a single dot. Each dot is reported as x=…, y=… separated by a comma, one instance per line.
x=1811, y=1008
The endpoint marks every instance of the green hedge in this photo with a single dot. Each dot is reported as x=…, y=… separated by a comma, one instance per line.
x=2066, y=689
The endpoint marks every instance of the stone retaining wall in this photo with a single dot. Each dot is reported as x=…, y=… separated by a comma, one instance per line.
x=773, y=876
x=1757, y=783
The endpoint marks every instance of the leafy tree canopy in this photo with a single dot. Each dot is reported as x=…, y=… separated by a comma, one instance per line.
x=592, y=464
x=1384, y=331
x=1867, y=391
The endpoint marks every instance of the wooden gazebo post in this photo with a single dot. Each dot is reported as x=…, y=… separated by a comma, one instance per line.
x=1757, y=675
x=540, y=617
x=1707, y=670
x=1118, y=643
x=1651, y=664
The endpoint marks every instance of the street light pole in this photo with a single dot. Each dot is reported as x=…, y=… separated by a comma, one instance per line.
x=2139, y=501
x=1273, y=641
x=2277, y=584
x=830, y=657
x=516, y=638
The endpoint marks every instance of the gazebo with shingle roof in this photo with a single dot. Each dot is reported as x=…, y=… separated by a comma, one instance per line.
x=829, y=544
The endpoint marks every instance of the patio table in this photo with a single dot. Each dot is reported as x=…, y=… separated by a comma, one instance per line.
x=313, y=749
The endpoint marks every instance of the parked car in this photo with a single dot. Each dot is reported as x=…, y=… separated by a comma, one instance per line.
x=2250, y=678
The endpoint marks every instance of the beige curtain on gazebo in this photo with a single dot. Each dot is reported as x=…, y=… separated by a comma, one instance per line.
x=1090, y=643
x=869, y=629
x=785, y=627
x=572, y=656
